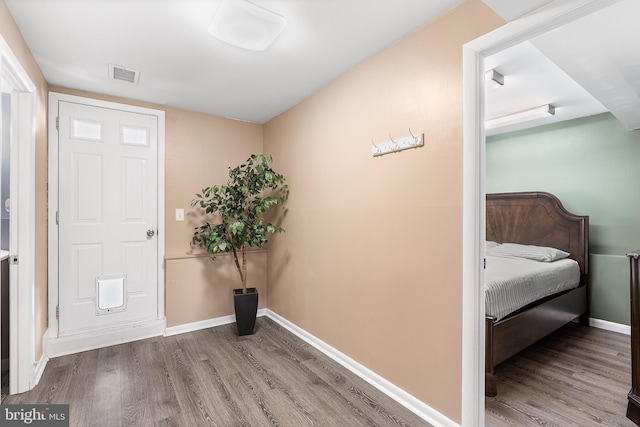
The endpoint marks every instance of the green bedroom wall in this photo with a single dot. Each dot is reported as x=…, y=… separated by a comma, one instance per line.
x=592, y=165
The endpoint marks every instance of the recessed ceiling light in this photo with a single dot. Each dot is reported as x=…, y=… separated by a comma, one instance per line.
x=246, y=25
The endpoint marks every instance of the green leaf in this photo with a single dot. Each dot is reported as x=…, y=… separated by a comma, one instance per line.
x=235, y=211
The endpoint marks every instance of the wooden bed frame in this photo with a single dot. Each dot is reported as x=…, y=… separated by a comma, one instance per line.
x=534, y=218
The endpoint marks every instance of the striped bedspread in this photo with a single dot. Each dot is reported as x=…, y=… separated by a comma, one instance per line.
x=512, y=283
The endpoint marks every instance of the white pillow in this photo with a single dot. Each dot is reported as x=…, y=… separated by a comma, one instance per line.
x=536, y=253
x=488, y=244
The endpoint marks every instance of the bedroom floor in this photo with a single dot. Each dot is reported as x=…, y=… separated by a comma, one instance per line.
x=578, y=376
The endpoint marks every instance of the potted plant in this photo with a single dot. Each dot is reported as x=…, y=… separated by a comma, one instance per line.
x=239, y=208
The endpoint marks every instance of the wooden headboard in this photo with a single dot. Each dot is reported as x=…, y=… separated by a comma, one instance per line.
x=538, y=218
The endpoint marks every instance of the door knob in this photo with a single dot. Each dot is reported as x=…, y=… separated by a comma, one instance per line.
x=150, y=233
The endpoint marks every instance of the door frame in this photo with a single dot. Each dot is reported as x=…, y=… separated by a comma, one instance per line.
x=550, y=16
x=56, y=345
x=22, y=336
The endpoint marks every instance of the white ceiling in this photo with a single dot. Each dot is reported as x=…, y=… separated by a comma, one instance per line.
x=584, y=68
x=601, y=52
x=532, y=80
x=510, y=9
x=182, y=66
x=587, y=67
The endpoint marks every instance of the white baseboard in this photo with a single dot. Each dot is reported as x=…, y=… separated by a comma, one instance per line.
x=204, y=324
x=91, y=340
x=42, y=363
x=405, y=399
x=610, y=326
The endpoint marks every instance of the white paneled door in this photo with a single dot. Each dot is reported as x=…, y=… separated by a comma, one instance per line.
x=107, y=218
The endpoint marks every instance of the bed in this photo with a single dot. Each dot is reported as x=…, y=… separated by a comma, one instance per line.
x=535, y=218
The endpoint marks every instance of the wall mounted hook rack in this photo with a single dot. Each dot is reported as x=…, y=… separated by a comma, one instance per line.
x=395, y=145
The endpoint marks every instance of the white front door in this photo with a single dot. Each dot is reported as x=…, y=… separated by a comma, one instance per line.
x=107, y=218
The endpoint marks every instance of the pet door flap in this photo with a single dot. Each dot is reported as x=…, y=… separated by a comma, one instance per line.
x=111, y=294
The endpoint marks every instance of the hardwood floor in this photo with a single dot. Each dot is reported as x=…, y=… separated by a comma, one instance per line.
x=578, y=376
x=214, y=378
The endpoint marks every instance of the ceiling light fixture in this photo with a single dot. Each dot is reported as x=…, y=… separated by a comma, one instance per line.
x=246, y=25
x=494, y=78
x=520, y=117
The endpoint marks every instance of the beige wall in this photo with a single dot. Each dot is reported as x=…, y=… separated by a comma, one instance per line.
x=12, y=35
x=198, y=150
x=371, y=260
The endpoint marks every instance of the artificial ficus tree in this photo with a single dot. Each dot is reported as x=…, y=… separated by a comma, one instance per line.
x=238, y=210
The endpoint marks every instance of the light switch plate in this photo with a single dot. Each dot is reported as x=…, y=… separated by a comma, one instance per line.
x=179, y=214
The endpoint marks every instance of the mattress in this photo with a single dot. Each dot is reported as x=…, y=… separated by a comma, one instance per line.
x=511, y=283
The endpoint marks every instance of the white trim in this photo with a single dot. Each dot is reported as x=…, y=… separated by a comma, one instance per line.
x=40, y=366
x=161, y=217
x=550, y=16
x=204, y=324
x=610, y=326
x=52, y=228
x=44, y=359
x=115, y=335
x=26, y=242
x=473, y=232
x=68, y=342
x=416, y=406
x=22, y=285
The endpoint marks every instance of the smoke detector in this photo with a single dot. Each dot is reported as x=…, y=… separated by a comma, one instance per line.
x=116, y=72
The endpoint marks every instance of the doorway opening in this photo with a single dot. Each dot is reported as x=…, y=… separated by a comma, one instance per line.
x=17, y=122
x=551, y=16
x=5, y=180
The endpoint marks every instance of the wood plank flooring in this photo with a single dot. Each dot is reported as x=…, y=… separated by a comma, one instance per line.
x=213, y=377
x=578, y=376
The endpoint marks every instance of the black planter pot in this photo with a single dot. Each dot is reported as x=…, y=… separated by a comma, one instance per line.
x=246, y=306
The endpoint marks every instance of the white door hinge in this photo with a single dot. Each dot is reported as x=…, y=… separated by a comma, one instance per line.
x=57, y=312
x=57, y=217
x=57, y=123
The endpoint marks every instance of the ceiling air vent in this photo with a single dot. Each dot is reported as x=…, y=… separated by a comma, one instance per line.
x=128, y=75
